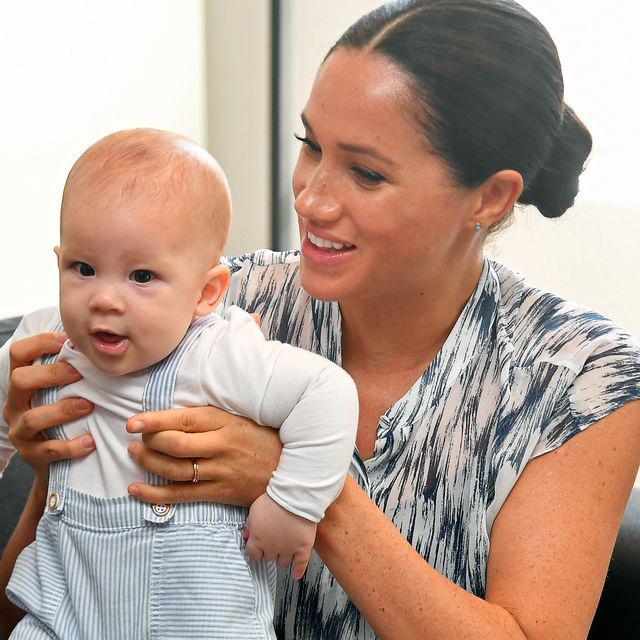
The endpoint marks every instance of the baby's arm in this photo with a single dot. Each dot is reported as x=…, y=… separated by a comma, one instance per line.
x=314, y=403
x=276, y=534
x=318, y=434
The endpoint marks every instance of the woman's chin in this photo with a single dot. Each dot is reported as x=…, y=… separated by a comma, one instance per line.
x=321, y=288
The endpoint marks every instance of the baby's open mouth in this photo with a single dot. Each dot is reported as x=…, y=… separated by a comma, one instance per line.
x=109, y=343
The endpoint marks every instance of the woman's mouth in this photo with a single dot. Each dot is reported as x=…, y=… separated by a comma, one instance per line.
x=109, y=343
x=321, y=243
x=324, y=252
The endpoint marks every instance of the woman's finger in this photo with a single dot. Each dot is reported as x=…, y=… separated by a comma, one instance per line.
x=32, y=422
x=26, y=379
x=177, y=493
x=176, y=469
x=26, y=350
x=192, y=420
x=54, y=450
x=183, y=445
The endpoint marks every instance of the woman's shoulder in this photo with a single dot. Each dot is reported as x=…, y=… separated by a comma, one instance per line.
x=543, y=326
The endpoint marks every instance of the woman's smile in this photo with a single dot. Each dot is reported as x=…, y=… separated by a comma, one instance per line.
x=327, y=244
x=323, y=252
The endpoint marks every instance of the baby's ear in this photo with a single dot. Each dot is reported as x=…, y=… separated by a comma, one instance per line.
x=56, y=250
x=214, y=289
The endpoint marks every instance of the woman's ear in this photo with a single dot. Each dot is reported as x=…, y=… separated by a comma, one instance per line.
x=215, y=286
x=498, y=194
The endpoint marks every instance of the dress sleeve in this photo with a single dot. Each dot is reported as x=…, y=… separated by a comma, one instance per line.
x=607, y=379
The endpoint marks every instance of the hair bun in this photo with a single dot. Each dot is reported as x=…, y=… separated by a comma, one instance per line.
x=556, y=185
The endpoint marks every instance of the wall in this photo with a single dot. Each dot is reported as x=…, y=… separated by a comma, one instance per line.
x=71, y=72
x=238, y=113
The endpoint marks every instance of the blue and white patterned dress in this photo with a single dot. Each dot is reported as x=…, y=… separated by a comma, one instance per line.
x=521, y=372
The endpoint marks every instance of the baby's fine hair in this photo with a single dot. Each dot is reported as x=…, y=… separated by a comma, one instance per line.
x=154, y=165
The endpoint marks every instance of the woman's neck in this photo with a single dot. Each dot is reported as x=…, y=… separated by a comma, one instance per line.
x=404, y=330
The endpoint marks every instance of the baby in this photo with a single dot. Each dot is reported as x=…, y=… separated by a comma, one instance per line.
x=144, y=219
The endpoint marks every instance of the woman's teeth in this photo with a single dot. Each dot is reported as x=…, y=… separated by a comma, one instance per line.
x=326, y=244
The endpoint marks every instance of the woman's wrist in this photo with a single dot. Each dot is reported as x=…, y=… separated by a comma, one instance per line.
x=332, y=529
x=39, y=492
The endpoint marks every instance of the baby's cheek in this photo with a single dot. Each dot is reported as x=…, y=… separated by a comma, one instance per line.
x=70, y=319
x=157, y=345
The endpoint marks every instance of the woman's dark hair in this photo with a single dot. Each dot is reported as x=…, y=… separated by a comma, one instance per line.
x=489, y=87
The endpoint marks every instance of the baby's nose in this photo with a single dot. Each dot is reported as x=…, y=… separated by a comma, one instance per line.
x=107, y=300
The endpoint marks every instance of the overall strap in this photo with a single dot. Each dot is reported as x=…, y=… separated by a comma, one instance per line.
x=158, y=395
x=59, y=470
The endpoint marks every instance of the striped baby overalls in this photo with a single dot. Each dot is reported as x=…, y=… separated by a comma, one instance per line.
x=119, y=569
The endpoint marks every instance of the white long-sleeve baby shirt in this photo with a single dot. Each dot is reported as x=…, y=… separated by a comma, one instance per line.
x=312, y=402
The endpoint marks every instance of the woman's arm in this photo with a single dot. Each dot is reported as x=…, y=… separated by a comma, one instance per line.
x=550, y=548
x=25, y=427
x=550, y=544
x=24, y=534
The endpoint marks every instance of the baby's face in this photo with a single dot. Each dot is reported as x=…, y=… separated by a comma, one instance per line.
x=130, y=279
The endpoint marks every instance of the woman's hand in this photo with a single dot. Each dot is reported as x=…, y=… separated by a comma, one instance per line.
x=26, y=424
x=235, y=456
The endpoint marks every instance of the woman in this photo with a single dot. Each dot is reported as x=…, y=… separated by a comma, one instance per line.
x=483, y=507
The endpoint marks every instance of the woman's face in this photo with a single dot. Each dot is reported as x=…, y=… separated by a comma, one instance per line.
x=379, y=215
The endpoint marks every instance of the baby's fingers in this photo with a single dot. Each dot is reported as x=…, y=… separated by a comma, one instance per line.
x=254, y=551
x=284, y=559
x=300, y=562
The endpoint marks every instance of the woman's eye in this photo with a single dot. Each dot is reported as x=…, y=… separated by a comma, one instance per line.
x=142, y=276
x=312, y=146
x=368, y=176
x=84, y=269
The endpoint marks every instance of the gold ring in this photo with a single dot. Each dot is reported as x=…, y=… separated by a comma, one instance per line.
x=196, y=470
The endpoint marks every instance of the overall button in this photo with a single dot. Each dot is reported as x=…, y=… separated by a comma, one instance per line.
x=54, y=501
x=160, y=509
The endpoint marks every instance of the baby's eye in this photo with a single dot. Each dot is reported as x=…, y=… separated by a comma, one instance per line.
x=142, y=276
x=84, y=269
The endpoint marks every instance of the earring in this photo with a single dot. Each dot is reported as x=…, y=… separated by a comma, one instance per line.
x=477, y=227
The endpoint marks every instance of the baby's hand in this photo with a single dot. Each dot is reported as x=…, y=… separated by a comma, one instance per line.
x=273, y=533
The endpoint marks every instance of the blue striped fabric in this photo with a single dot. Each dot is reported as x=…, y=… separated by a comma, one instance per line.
x=106, y=568
x=521, y=372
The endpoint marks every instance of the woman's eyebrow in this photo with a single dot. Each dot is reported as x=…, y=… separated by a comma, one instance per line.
x=354, y=148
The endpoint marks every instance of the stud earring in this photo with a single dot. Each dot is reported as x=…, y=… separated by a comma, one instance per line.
x=477, y=227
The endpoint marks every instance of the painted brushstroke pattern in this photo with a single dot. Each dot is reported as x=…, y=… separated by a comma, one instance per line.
x=521, y=372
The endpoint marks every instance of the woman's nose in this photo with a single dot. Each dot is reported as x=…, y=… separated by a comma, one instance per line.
x=316, y=196
x=106, y=300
